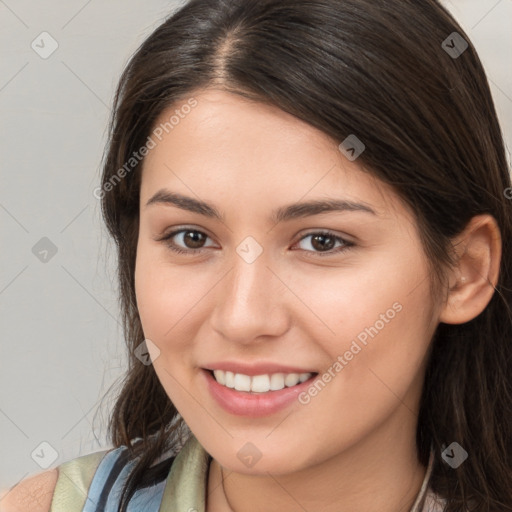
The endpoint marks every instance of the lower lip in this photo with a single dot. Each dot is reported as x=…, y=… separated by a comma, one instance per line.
x=253, y=405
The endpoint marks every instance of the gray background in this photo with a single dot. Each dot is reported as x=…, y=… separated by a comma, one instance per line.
x=62, y=346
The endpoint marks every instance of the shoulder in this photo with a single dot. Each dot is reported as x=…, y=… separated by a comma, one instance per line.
x=63, y=486
x=33, y=494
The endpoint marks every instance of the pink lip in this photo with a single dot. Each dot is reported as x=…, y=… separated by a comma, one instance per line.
x=255, y=369
x=250, y=404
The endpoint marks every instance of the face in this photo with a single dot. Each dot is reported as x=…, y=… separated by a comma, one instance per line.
x=319, y=315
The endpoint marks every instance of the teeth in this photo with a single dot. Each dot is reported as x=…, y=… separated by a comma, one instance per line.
x=220, y=376
x=291, y=379
x=276, y=381
x=304, y=376
x=242, y=382
x=259, y=383
x=230, y=379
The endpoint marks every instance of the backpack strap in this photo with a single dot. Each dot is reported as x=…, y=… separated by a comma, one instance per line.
x=75, y=477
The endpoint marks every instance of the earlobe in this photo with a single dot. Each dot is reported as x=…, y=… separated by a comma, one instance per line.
x=474, y=278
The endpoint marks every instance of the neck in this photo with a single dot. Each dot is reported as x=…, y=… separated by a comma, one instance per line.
x=382, y=473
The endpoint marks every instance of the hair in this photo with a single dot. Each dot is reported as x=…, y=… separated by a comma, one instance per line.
x=377, y=70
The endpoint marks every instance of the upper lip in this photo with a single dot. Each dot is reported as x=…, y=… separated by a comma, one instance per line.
x=255, y=369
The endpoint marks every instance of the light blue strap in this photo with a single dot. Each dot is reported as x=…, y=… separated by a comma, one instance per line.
x=147, y=499
x=100, y=478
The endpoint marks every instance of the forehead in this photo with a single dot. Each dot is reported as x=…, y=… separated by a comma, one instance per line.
x=234, y=149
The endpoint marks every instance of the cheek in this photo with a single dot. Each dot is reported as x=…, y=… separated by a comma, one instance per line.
x=375, y=364
x=388, y=355
x=342, y=303
x=375, y=326
x=168, y=299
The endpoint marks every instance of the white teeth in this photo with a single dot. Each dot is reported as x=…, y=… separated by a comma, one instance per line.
x=259, y=383
x=277, y=381
x=291, y=379
x=242, y=382
x=229, y=378
x=220, y=376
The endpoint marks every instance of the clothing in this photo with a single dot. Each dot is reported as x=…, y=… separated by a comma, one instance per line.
x=92, y=483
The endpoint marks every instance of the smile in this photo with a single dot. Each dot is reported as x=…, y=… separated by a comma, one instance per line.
x=259, y=383
x=257, y=395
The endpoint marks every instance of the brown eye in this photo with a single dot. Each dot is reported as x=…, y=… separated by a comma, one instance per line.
x=193, y=239
x=185, y=240
x=324, y=243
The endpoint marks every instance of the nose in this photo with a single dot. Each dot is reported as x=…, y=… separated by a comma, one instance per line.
x=251, y=303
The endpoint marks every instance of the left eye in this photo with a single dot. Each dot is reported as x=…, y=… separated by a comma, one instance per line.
x=325, y=242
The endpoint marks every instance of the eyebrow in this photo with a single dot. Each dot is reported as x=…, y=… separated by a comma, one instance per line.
x=283, y=213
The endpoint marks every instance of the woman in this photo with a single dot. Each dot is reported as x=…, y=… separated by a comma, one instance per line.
x=309, y=201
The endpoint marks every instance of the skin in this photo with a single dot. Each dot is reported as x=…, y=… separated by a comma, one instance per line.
x=352, y=447
x=33, y=494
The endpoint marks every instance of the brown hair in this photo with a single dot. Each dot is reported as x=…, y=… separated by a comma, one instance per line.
x=378, y=70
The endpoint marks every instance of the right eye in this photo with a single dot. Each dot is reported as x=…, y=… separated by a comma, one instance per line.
x=192, y=241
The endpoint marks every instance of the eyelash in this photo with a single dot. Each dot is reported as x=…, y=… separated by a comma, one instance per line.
x=346, y=244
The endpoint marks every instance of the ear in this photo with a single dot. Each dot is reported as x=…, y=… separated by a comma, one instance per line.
x=473, y=280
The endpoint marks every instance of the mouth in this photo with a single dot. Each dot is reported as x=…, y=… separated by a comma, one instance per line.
x=255, y=396
x=263, y=383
